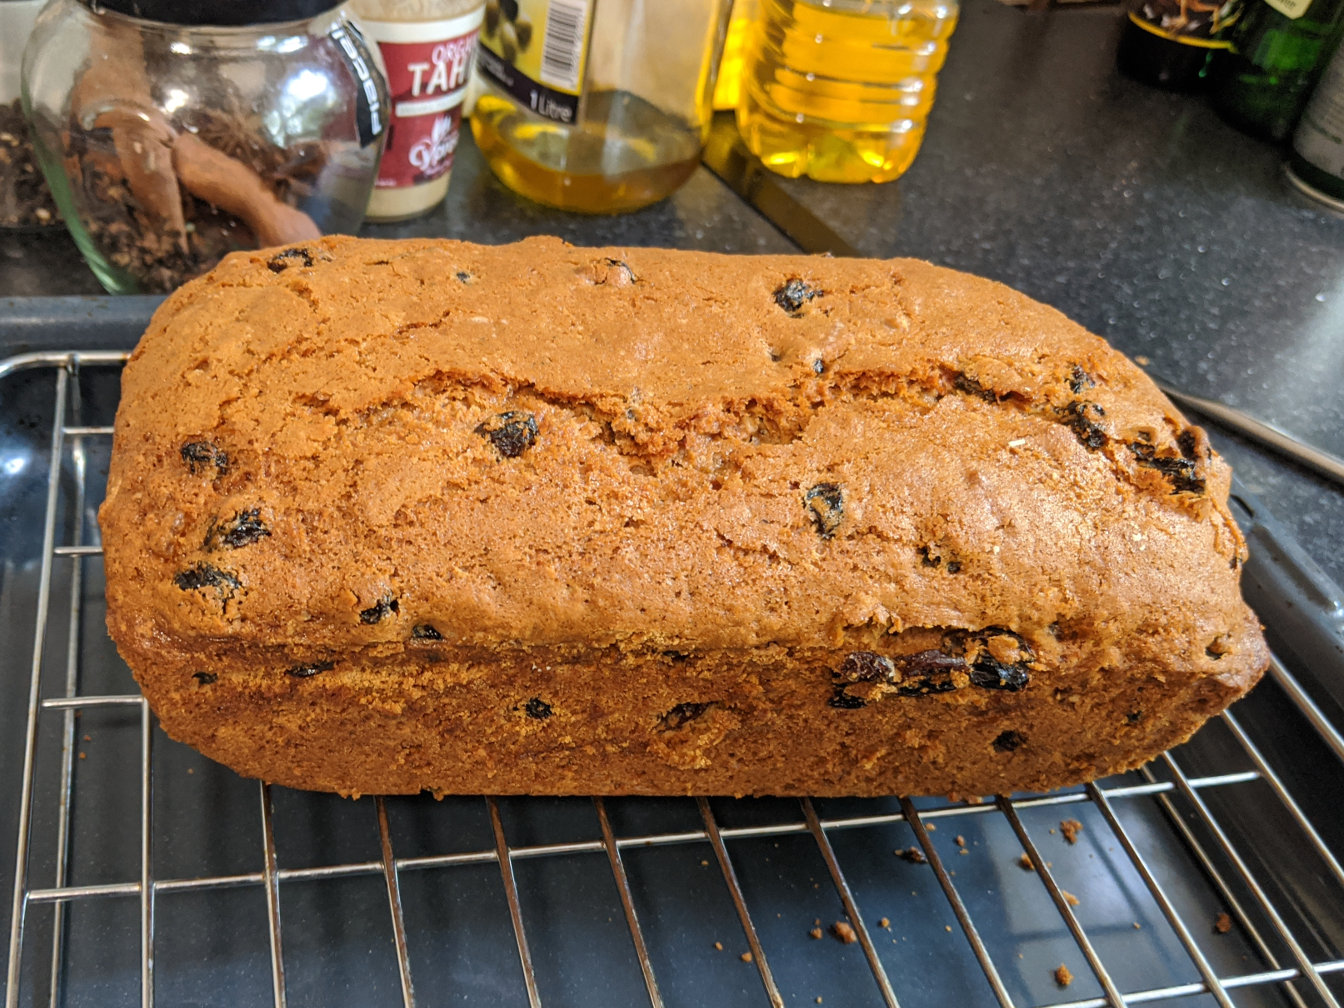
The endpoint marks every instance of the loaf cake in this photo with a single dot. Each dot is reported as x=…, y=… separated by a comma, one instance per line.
x=385, y=517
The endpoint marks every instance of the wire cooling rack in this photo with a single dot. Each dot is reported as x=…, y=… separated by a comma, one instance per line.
x=143, y=873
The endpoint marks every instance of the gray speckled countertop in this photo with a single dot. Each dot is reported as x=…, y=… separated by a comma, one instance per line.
x=1137, y=212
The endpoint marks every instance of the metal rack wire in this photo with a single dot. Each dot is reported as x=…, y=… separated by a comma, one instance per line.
x=1180, y=898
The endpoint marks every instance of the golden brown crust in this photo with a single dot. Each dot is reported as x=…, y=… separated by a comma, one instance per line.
x=735, y=524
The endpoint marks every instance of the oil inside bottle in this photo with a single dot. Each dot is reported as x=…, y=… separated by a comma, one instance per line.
x=842, y=92
x=623, y=153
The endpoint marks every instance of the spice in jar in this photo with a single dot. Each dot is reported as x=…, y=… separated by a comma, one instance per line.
x=25, y=200
x=427, y=48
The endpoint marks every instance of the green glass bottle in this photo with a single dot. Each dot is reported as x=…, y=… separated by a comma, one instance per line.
x=1277, y=50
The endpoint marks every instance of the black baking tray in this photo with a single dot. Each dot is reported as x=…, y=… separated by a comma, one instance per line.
x=139, y=872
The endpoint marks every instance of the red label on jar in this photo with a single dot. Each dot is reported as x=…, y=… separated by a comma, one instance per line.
x=427, y=65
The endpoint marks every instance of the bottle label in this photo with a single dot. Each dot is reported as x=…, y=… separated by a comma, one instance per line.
x=1292, y=9
x=1320, y=135
x=428, y=63
x=535, y=50
x=370, y=104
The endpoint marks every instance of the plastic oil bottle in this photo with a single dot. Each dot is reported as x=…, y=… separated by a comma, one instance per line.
x=598, y=106
x=841, y=90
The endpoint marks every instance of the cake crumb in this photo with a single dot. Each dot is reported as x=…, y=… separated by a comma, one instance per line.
x=1069, y=897
x=884, y=922
x=1071, y=828
x=718, y=946
x=745, y=957
x=912, y=854
x=816, y=932
x=1062, y=976
x=1222, y=924
x=961, y=840
x=843, y=931
x=83, y=755
x=1024, y=862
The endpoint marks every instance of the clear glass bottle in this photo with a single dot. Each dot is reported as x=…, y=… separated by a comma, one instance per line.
x=598, y=106
x=172, y=138
x=428, y=47
x=841, y=90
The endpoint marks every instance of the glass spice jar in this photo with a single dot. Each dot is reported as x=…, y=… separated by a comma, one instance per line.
x=25, y=200
x=173, y=132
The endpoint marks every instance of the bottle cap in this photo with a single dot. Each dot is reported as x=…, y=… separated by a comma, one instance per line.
x=220, y=13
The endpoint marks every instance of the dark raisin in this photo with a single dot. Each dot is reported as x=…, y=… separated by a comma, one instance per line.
x=986, y=671
x=423, y=631
x=1081, y=418
x=825, y=503
x=204, y=678
x=965, y=383
x=929, y=558
x=927, y=672
x=205, y=575
x=819, y=366
x=243, y=529
x=1188, y=444
x=1009, y=740
x=1080, y=380
x=463, y=276
x=380, y=610
x=198, y=455
x=843, y=701
x=537, y=708
x=990, y=674
x=1183, y=473
x=677, y=656
x=286, y=258
x=309, y=669
x=511, y=433
x=681, y=714
x=866, y=666
x=918, y=674
x=1134, y=717
x=794, y=294
x=289, y=257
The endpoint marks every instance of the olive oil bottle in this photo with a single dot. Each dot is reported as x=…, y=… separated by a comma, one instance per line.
x=598, y=106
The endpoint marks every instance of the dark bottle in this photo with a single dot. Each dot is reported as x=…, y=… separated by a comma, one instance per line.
x=1277, y=50
x=1316, y=165
x=1168, y=43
